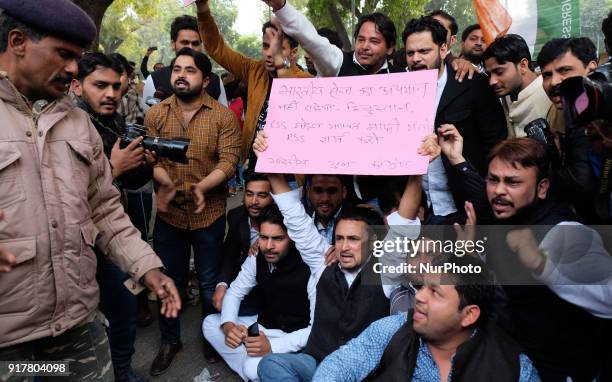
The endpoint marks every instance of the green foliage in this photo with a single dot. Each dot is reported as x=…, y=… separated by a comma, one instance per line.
x=592, y=13
x=337, y=14
x=131, y=26
x=122, y=19
x=249, y=45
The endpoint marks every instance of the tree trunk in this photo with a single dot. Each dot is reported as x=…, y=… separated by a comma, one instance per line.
x=339, y=26
x=95, y=9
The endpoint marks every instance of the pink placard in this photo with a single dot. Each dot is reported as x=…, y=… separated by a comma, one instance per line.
x=188, y=2
x=366, y=125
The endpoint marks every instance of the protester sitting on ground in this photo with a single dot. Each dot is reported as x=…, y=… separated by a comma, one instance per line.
x=287, y=303
x=447, y=335
x=242, y=234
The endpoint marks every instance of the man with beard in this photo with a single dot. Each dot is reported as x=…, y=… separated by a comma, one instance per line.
x=191, y=197
x=539, y=311
x=97, y=90
x=446, y=336
x=470, y=106
x=59, y=202
x=242, y=234
x=258, y=74
x=326, y=194
x=473, y=45
x=461, y=65
x=183, y=34
x=287, y=291
x=512, y=77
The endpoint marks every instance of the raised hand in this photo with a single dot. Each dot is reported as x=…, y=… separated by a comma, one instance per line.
x=275, y=4
x=451, y=143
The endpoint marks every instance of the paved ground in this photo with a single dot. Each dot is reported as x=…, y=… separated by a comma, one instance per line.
x=187, y=364
x=190, y=362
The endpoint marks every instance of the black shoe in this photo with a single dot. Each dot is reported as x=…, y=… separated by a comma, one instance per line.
x=164, y=358
x=128, y=375
x=210, y=354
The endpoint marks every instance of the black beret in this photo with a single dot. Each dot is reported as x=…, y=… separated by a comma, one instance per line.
x=60, y=18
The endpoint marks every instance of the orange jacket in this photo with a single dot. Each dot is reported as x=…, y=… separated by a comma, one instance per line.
x=252, y=71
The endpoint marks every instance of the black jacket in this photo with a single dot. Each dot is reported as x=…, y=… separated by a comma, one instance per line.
x=476, y=112
x=143, y=67
x=350, y=68
x=236, y=245
x=489, y=355
x=110, y=129
x=235, y=251
x=561, y=338
x=284, y=292
x=343, y=312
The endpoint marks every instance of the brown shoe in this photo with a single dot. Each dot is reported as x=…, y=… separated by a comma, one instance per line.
x=164, y=358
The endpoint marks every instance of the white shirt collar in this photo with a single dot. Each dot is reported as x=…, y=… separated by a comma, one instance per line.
x=384, y=66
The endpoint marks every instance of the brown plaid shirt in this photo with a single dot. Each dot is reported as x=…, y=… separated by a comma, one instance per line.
x=215, y=144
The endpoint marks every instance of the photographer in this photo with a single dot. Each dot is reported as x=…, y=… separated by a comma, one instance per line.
x=97, y=90
x=575, y=181
x=541, y=314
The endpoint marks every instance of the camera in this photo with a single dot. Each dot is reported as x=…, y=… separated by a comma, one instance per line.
x=586, y=99
x=174, y=149
x=539, y=130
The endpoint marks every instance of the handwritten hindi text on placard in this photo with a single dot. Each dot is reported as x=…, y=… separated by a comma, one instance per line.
x=367, y=125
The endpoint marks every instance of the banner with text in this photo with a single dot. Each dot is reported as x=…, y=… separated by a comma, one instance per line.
x=367, y=125
x=537, y=21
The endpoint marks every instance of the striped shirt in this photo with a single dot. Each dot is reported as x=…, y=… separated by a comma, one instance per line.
x=215, y=144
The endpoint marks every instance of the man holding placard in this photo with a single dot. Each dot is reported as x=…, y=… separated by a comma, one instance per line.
x=470, y=106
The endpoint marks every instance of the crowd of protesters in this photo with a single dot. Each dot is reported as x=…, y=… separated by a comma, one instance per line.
x=520, y=151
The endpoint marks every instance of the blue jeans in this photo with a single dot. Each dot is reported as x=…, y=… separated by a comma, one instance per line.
x=119, y=306
x=287, y=367
x=238, y=177
x=173, y=246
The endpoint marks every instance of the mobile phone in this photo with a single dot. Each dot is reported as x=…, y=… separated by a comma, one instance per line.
x=253, y=330
x=153, y=48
